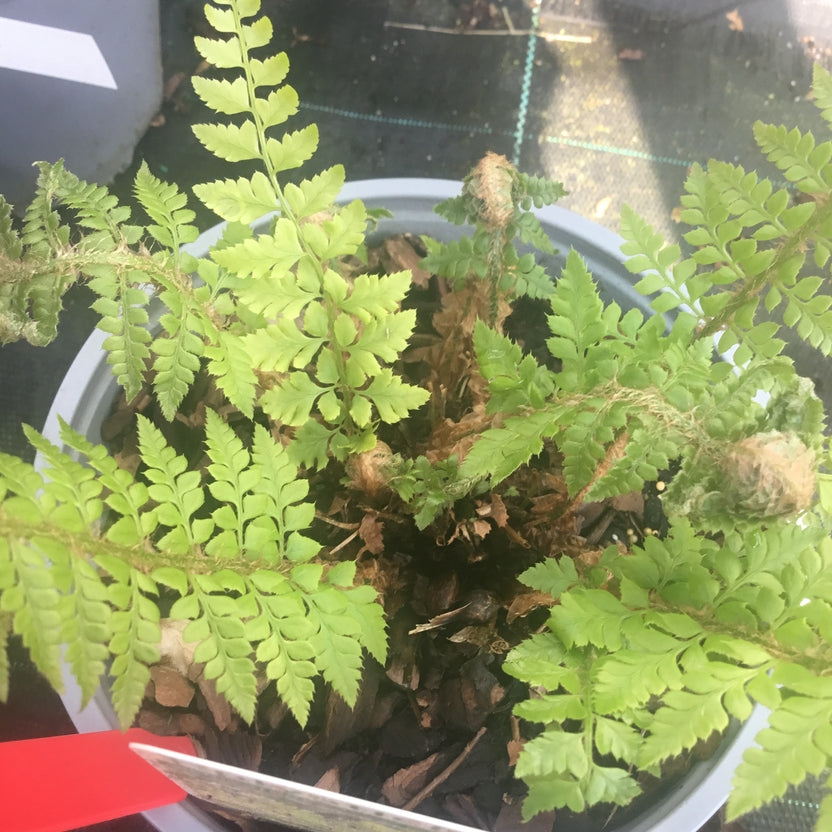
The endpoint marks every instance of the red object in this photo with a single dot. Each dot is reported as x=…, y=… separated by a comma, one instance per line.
x=60, y=783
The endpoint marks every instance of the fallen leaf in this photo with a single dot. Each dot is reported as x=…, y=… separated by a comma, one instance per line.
x=158, y=721
x=496, y=510
x=676, y=213
x=525, y=602
x=734, y=20
x=406, y=782
x=631, y=54
x=601, y=206
x=438, y=621
x=464, y=810
x=370, y=532
x=511, y=818
x=216, y=702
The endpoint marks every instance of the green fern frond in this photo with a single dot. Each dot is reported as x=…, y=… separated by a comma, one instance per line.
x=165, y=205
x=5, y=666
x=795, y=153
x=136, y=636
x=514, y=380
x=216, y=625
x=177, y=350
x=284, y=634
x=498, y=452
x=175, y=490
x=797, y=742
x=124, y=316
x=822, y=89
x=580, y=324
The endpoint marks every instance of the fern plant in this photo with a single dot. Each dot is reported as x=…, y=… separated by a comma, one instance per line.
x=644, y=651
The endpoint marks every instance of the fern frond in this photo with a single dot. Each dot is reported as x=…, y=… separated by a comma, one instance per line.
x=293, y=149
x=166, y=206
x=175, y=489
x=10, y=244
x=822, y=90
x=537, y=190
x=284, y=633
x=258, y=257
x=316, y=194
x=514, y=380
x=337, y=641
x=241, y=200
x=797, y=742
x=498, y=452
x=136, y=636
x=580, y=324
x=393, y=398
x=5, y=668
x=230, y=364
x=123, y=312
x=94, y=206
x=177, y=350
x=795, y=153
x=456, y=259
x=280, y=482
x=87, y=625
x=217, y=627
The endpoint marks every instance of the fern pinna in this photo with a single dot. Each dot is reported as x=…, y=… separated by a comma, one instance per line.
x=88, y=553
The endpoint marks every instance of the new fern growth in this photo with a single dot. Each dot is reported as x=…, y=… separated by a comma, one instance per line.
x=645, y=652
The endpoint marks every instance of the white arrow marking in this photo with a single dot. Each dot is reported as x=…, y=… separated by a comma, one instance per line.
x=56, y=53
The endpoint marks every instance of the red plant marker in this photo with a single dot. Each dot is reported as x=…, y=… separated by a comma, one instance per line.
x=60, y=783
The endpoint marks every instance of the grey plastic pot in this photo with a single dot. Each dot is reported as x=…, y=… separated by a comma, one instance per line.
x=66, y=69
x=88, y=390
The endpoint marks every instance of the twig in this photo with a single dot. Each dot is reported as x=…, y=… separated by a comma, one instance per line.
x=507, y=18
x=549, y=37
x=344, y=542
x=443, y=775
x=337, y=523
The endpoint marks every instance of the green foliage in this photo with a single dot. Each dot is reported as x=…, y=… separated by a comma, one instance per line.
x=228, y=545
x=497, y=200
x=694, y=636
x=647, y=653
x=428, y=489
x=754, y=246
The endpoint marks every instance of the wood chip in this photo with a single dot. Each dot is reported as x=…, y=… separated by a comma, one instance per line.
x=406, y=782
x=170, y=688
x=398, y=254
x=632, y=501
x=330, y=781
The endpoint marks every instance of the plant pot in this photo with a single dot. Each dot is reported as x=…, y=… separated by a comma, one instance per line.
x=87, y=393
x=66, y=70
